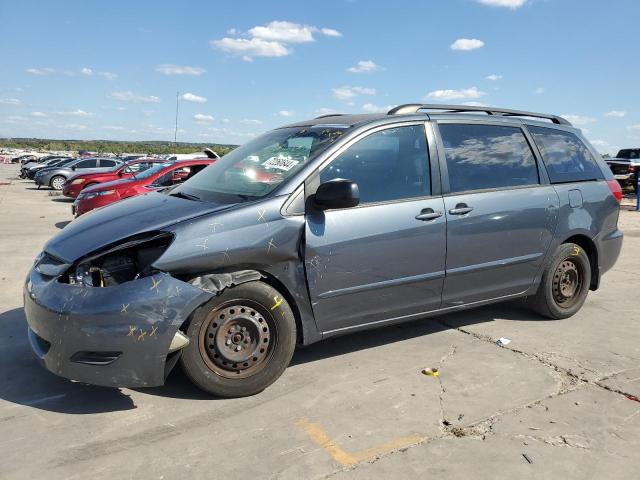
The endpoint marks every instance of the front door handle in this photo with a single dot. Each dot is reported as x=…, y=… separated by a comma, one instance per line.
x=460, y=209
x=428, y=214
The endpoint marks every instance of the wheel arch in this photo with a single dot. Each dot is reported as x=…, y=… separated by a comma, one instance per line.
x=591, y=249
x=302, y=333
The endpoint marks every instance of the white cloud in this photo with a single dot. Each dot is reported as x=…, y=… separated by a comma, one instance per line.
x=249, y=48
x=286, y=113
x=364, y=66
x=539, y=91
x=599, y=143
x=270, y=40
x=39, y=114
x=493, y=77
x=466, y=44
x=129, y=96
x=202, y=118
x=15, y=119
x=346, y=93
x=250, y=121
x=108, y=75
x=76, y=113
x=615, y=113
x=286, y=32
x=579, y=119
x=10, y=101
x=371, y=108
x=40, y=71
x=449, y=94
x=513, y=4
x=115, y=128
x=73, y=126
x=190, y=97
x=474, y=104
x=634, y=127
x=324, y=111
x=170, y=69
x=86, y=71
x=330, y=32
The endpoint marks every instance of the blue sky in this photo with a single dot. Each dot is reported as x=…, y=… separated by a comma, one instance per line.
x=110, y=70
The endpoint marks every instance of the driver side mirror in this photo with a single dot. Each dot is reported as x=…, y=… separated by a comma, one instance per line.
x=338, y=193
x=73, y=168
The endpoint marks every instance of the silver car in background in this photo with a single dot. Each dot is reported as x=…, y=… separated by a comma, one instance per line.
x=55, y=177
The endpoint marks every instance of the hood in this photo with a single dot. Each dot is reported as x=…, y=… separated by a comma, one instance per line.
x=107, y=226
x=107, y=185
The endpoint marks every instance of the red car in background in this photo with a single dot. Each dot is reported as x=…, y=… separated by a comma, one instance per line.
x=75, y=184
x=159, y=176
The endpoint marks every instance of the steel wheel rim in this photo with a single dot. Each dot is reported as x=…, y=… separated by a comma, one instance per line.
x=237, y=339
x=57, y=183
x=567, y=283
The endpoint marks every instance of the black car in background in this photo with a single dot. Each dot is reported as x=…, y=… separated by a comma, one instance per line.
x=625, y=166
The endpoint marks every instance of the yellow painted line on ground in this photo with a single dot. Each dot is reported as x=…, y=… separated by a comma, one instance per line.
x=317, y=435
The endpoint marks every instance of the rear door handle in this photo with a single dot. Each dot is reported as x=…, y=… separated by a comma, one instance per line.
x=428, y=214
x=461, y=209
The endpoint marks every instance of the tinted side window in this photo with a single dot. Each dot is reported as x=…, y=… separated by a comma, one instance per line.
x=487, y=156
x=107, y=163
x=87, y=163
x=391, y=164
x=567, y=159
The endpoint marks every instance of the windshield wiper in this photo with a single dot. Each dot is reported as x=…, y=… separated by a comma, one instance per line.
x=188, y=196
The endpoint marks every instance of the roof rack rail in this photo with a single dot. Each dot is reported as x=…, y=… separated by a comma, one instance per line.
x=409, y=108
x=330, y=115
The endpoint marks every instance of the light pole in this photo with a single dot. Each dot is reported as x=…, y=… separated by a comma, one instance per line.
x=175, y=132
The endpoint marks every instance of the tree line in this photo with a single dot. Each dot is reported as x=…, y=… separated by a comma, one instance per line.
x=115, y=147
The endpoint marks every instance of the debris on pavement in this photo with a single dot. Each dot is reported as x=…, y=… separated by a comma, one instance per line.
x=527, y=458
x=432, y=372
x=503, y=341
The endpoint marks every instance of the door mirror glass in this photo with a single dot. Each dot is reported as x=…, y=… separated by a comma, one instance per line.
x=337, y=193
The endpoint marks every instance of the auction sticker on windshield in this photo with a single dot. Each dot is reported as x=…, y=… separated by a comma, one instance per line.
x=281, y=163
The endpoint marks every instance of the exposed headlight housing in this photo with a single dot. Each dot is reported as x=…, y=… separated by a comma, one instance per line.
x=77, y=181
x=126, y=261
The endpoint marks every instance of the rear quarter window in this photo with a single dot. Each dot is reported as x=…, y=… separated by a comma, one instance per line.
x=483, y=157
x=565, y=156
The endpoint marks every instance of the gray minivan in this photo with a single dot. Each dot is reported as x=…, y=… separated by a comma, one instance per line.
x=321, y=228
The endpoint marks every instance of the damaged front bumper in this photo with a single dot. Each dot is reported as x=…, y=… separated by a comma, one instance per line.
x=117, y=336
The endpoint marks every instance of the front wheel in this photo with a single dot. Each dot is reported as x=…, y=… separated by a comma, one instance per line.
x=57, y=182
x=565, y=283
x=240, y=341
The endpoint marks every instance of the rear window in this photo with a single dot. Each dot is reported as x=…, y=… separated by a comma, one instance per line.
x=487, y=156
x=566, y=157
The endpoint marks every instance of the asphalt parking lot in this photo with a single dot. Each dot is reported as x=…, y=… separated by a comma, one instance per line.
x=559, y=401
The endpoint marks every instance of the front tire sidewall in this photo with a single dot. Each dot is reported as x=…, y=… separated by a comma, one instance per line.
x=546, y=303
x=284, y=320
x=52, y=184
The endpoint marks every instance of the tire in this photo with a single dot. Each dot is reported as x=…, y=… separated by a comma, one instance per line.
x=565, y=283
x=57, y=182
x=226, y=356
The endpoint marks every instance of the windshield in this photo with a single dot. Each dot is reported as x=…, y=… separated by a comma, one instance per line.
x=258, y=167
x=629, y=153
x=151, y=171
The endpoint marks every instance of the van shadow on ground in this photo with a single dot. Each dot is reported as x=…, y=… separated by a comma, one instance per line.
x=24, y=382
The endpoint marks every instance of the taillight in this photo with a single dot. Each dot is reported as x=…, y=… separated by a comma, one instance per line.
x=614, y=186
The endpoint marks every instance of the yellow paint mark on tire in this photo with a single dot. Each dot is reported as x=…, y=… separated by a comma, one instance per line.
x=317, y=435
x=278, y=301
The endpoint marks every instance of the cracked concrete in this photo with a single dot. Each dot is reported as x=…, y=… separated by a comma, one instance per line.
x=352, y=407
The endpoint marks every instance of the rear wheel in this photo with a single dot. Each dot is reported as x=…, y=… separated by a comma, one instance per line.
x=57, y=182
x=565, y=283
x=240, y=341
